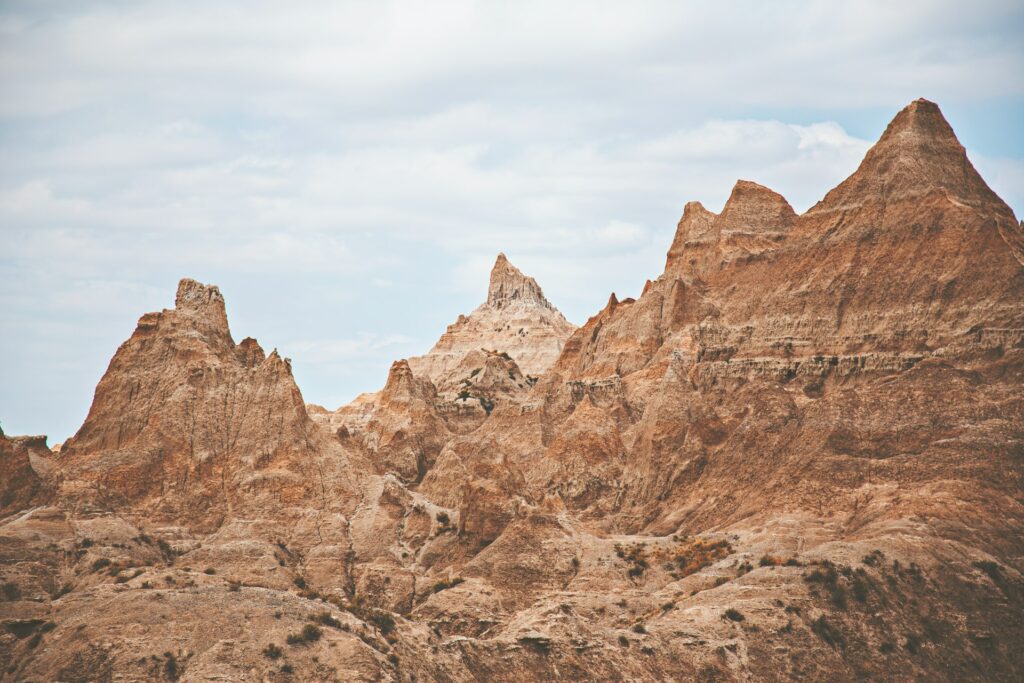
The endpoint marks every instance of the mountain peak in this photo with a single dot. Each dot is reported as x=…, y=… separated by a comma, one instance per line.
x=921, y=118
x=755, y=208
x=918, y=153
x=202, y=302
x=509, y=285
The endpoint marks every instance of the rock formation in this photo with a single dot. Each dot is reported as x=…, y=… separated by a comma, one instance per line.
x=796, y=456
x=473, y=369
x=516, y=319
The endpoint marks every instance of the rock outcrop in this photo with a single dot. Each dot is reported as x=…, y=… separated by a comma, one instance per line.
x=796, y=456
x=189, y=420
x=21, y=485
x=516, y=320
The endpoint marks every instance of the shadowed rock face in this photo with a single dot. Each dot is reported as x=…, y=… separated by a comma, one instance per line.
x=796, y=456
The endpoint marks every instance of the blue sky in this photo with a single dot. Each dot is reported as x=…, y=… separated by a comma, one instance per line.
x=346, y=172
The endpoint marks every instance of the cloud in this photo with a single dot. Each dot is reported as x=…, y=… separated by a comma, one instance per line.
x=348, y=171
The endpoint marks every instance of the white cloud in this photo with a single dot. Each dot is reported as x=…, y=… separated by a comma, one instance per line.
x=356, y=166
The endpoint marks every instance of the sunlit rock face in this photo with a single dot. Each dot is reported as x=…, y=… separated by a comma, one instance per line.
x=796, y=456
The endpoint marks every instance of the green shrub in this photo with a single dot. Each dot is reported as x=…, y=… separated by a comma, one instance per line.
x=733, y=614
x=272, y=651
x=100, y=564
x=210, y=570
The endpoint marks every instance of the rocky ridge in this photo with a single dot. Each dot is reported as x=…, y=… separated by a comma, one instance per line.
x=797, y=455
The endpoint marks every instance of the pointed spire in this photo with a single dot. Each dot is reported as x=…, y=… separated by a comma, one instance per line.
x=202, y=302
x=509, y=285
x=917, y=153
x=755, y=208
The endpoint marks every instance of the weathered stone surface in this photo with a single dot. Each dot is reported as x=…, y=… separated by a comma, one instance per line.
x=516, y=319
x=796, y=456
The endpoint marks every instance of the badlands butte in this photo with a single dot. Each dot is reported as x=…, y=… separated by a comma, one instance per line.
x=796, y=456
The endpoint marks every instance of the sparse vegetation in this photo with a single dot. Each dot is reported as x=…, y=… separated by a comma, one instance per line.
x=769, y=561
x=166, y=550
x=623, y=641
x=11, y=591
x=384, y=622
x=691, y=556
x=487, y=404
x=635, y=556
x=272, y=651
x=827, y=632
x=310, y=634
x=326, y=619
x=639, y=628
x=828, y=577
x=210, y=571
x=874, y=558
x=446, y=584
x=993, y=570
x=100, y=564
x=171, y=668
x=299, y=582
x=733, y=614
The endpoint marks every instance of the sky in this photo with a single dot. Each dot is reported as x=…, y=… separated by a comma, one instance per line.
x=346, y=172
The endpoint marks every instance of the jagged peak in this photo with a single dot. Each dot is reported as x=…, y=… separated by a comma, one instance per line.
x=403, y=384
x=509, y=285
x=755, y=208
x=193, y=294
x=695, y=223
x=202, y=301
x=920, y=120
x=918, y=153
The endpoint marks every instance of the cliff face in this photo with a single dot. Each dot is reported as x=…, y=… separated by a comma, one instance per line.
x=187, y=419
x=796, y=456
